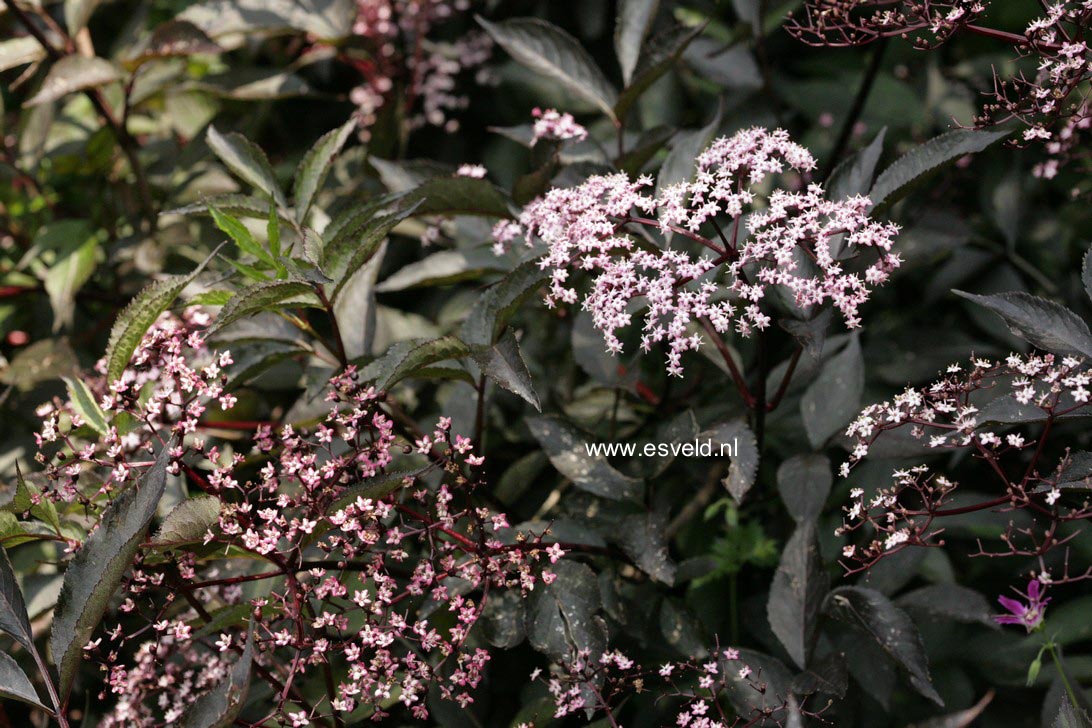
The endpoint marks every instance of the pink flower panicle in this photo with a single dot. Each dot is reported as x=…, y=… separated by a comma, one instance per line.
x=595, y=685
x=400, y=52
x=375, y=574
x=798, y=240
x=973, y=407
x=1048, y=101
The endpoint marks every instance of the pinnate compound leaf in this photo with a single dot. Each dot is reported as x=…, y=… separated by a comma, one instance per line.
x=74, y=73
x=926, y=157
x=188, y=521
x=631, y=27
x=797, y=592
x=313, y=168
x=219, y=707
x=15, y=684
x=247, y=161
x=550, y=51
x=136, y=318
x=13, y=611
x=1042, y=323
x=804, y=481
x=267, y=296
x=834, y=398
x=96, y=570
x=503, y=363
x=570, y=455
x=889, y=627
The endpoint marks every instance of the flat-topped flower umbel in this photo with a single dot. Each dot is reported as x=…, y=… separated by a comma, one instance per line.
x=799, y=240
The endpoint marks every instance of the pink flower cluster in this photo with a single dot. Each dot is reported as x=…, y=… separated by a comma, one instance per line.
x=553, y=125
x=797, y=240
x=596, y=685
x=988, y=408
x=347, y=572
x=1048, y=102
x=401, y=53
x=169, y=385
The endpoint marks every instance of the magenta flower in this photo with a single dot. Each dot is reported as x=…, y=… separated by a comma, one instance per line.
x=1030, y=615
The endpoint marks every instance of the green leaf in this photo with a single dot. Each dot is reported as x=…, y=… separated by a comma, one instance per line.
x=355, y=244
x=20, y=51
x=493, y=308
x=797, y=592
x=562, y=615
x=83, y=401
x=503, y=363
x=313, y=168
x=550, y=51
x=804, y=481
x=247, y=161
x=188, y=521
x=894, y=181
x=659, y=54
x=632, y=26
x=376, y=487
x=240, y=235
x=219, y=707
x=569, y=454
x=889, y=627
x=267, y=296
x=853, y=175
x=15, y=684
x=458, y=196
x=1044, y=324
x=834, y=398
x=74, y=73
x=405, y=358
x=95, y=572
x=27, y=499
x=13, y=611
x=42, y=361
x=67, y=276
x=136, y=318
